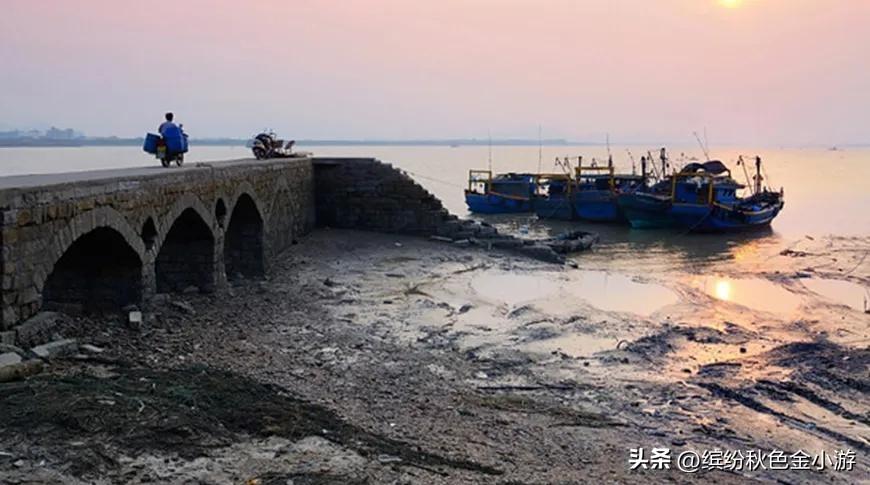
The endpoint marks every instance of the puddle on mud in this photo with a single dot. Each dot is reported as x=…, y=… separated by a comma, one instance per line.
x=839, y=291
x=754, y=293
x=575, y=345
x=606, y=291
x=514, y=289
x=617, y=292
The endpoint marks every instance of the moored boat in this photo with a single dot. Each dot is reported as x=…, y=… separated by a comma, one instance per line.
x=500, y=194
x=554, y=197
x=702, y=197
x=596, y=192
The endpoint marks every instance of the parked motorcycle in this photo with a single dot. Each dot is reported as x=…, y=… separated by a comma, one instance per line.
x=168, y=148
x=267, y=145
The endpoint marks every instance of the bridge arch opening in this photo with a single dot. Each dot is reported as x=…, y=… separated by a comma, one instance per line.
x=186, y=258
x=99, y=273
x=243, y=244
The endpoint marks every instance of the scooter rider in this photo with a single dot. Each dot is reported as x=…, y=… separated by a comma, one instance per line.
x=166, y=124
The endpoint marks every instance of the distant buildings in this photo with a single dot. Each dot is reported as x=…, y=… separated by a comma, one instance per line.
x=52, y=137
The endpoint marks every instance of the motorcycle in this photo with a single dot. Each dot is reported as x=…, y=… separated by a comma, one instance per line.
x=267, y=145
x=168, y=148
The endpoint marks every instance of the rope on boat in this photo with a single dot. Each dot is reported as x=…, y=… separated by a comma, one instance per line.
x=433, y=179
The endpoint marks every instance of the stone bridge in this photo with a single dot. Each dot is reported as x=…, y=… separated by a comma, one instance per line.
x=96, y=242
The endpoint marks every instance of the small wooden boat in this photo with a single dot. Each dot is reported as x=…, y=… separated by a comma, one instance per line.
x=500, y=194
x=702, y=197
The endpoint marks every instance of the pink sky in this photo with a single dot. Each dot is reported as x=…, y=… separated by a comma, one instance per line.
x=768, y=72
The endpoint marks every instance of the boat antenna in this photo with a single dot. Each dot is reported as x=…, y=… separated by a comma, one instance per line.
x=663, y=155
x=745, y=173
x=703, y=148
x=655, y=170
x=633, y=164
x=706, y=143
x=540, y=149
x=489, y=146
x=758, y=177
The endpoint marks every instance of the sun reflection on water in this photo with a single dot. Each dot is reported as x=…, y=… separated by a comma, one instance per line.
x=723, y=290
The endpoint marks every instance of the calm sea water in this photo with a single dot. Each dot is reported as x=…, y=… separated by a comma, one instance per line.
x=826, y=190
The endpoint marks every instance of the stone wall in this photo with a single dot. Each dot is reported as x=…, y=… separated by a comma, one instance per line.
x=364, y=193
x=41, y=219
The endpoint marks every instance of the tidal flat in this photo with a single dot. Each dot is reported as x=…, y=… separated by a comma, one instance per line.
x=372, y=358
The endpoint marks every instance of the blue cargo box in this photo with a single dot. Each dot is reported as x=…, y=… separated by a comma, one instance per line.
x=175, y=140
x=151, y=141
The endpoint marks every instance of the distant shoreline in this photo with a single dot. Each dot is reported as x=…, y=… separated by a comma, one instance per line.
x=48, y=143
x=239, y=142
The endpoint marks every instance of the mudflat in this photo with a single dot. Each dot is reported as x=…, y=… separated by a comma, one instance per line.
x=370, y=358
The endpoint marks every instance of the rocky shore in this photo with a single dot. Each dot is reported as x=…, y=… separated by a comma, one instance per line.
x=369, y=358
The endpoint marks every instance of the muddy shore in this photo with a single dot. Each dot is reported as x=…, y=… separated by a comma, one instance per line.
x=371, y=358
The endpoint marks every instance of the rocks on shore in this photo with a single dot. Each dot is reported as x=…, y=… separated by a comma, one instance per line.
x=552, y=250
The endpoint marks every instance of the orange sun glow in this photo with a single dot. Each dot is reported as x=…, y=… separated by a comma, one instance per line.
x=730, y=3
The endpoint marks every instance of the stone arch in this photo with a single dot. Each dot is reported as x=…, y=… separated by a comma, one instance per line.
x=82, y=224
x=245, y=188
x=186, y=256
x=184, y=202
x=97, y=265
x=243, y=240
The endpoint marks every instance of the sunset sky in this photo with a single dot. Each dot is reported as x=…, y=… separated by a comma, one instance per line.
x=761, y=72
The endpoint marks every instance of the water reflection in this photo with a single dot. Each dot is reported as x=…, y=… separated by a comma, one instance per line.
x=723, y=290
x=755, y=293
x=839, y=291
x=555, y=292
x=622, y=247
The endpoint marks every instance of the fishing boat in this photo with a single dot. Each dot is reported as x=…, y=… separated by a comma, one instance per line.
x=554, y=197
x=702, y=197
x=597, y=188
x=506, y=193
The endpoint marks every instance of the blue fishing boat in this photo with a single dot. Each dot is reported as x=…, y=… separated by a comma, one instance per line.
x=554, y=197
x=702, y=197
x=596, y=192
x=500, y=194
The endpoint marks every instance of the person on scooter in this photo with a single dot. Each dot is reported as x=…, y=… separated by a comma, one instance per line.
x=166, y=124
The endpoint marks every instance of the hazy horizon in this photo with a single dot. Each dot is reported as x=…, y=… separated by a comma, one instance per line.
x=757, y=72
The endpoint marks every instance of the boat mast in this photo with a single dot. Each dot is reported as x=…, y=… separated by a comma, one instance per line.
x=643, y=169
x=540, y=149
x=758, y=177
x=489, y=147
x=742, y=163
x=703, y=147
x=633, y=163
x=663, y=155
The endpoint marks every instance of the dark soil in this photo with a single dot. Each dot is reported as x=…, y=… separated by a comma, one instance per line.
x=184, y=412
